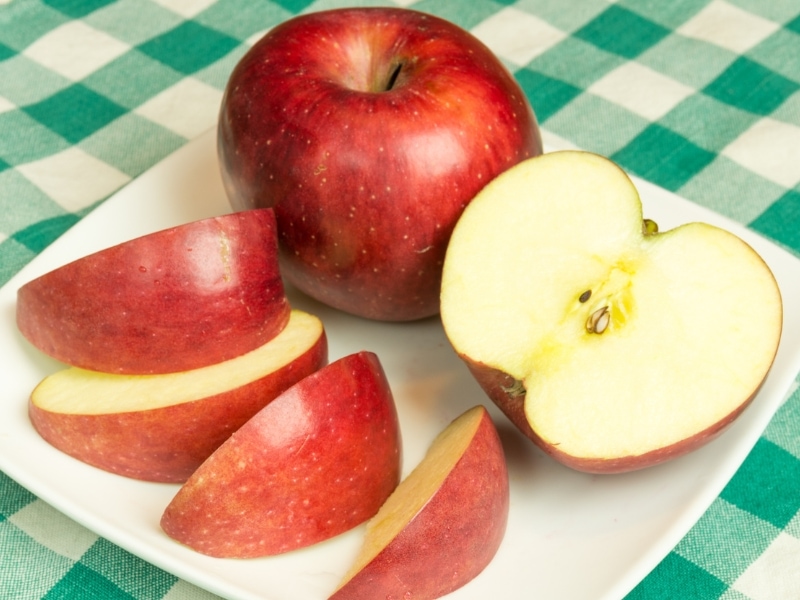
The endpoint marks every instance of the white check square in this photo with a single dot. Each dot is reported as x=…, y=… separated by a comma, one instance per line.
x=75, y=50
x=516, y=35
x=728, y=26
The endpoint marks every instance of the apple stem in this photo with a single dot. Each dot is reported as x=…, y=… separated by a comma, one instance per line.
x=393, y=76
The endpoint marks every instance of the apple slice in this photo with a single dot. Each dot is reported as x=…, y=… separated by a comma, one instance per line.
x=162, y=427
x=443, y=524
x=174, y=300
x=613, y=346
x=317, y=461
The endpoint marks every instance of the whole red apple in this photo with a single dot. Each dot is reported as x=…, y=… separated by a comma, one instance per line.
x=369, y=130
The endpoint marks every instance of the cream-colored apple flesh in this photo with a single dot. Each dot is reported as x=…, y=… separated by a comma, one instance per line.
x=162, y=427
x=613, y=346
x=443, y=524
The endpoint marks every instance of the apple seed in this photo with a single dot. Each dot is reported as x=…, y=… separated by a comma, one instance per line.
x=599, y=320
x=584, y=297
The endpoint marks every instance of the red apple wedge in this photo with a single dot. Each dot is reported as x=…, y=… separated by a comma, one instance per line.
x=369, y=130
x=612, y=345
x=317, y=461
x=178, y=299
x=443, y=524
x=162, y=427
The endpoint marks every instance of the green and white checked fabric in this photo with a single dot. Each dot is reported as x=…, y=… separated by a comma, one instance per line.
x=701, y=97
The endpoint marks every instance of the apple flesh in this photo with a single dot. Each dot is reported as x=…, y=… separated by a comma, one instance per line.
x=611, y=345
x=369, y=130
x=443, y=524
x=162, y=427
x=178, y=299
x=315, y=462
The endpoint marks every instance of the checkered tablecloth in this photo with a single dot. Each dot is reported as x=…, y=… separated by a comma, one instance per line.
x=700, y=97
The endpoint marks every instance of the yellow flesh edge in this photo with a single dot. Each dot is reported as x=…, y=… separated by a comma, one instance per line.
x=417, y=489
x=528, y=320
x=78, y=391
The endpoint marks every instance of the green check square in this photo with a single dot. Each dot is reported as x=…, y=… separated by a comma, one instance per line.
x=779, y=11
x=750, y=86
x=780, y=220
x=726, y=540
x=6, y=52
x=77, y=8
x=28, y=569
x=82, y=582
x=294, y=6
x=40, y=235
x=24, y=139
x=75, y=112
x=464, y=14
x=708, y=123
x=23, y=81
x=242, y=19
x=132, y=79
x=663, y=157
x=13, y=256
x=621, y=31
x=782, y=429
x=189, y=47
x=111, y=144
x=32, y=20
x=19, y=215
x=566, y=16
x=751, y=488
x=780, y=52
x=676, y=577
x=132, y=21
x=719, y=187
x=13, y=496
x=126, y=572
x=595, y=124
x=669, y=14
x=676, y=56
x=546, y=94
x=575, y=62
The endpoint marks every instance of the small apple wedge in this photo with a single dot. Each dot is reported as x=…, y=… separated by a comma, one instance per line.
x=612, y=345
x=317, y=461
x=178, y=299
x=162, y=427
x=443, y=524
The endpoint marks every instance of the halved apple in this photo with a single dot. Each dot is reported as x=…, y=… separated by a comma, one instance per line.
x=178, y=299
x=443, y=524
x=317, y=461
x=162, y=427
x=611, y=345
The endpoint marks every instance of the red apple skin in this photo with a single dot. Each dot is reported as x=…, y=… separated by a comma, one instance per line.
x=175, y=300
x=510, y=398
x=168, y=444
x=453, y=537
x=367, y=184
x=315, y=462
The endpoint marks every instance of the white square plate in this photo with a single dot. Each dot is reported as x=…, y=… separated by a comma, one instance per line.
x=570, y=535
